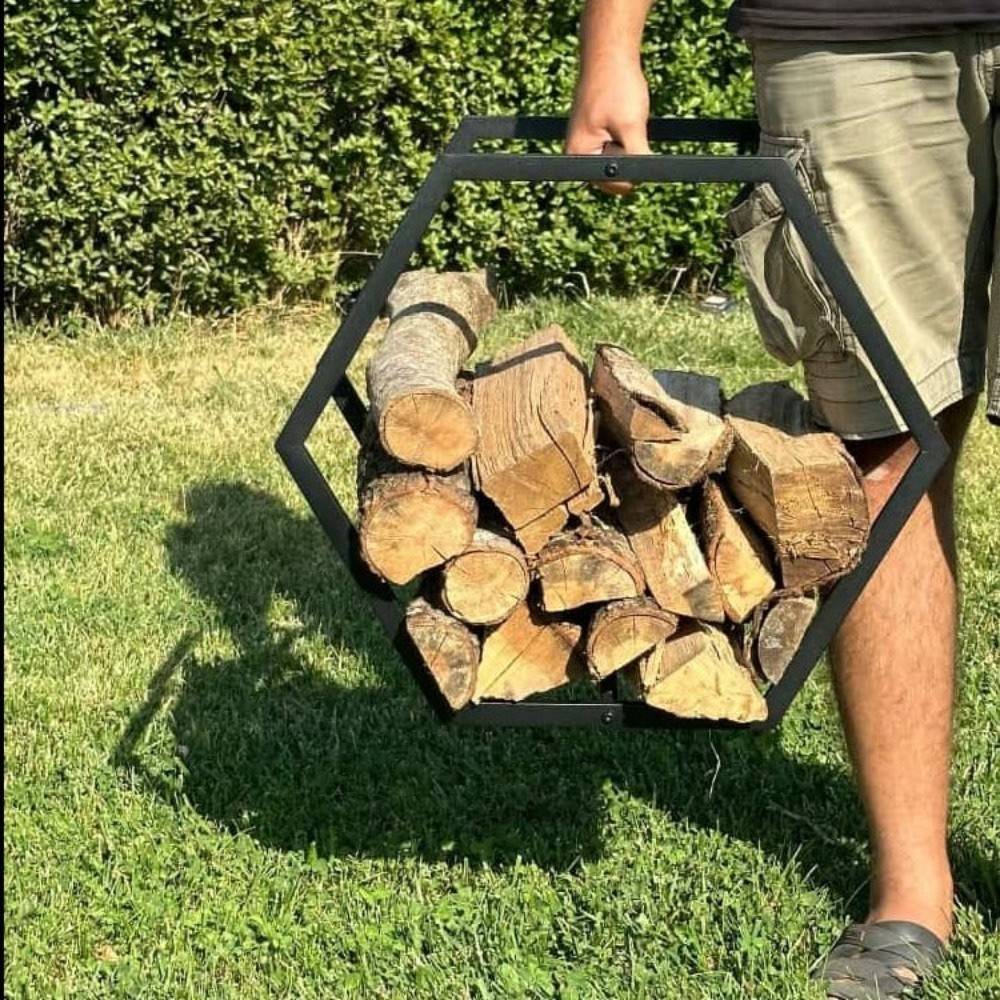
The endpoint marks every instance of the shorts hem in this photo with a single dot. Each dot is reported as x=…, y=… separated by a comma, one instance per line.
x=876, y=417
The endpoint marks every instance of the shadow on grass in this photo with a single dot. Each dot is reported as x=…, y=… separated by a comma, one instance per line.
x=272, y=745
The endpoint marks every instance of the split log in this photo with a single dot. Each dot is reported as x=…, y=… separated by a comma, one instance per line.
x=695, y=674
x=592, y=564
x=781, y=633
x=409, y=520
x=623, y=631
x=671, y=444
x=448, y=648
x=527, y=654
x=536, y=458
x=486, y=582
x=736, y=555
x=656, y=526
x=434, y=320
x=805, y=493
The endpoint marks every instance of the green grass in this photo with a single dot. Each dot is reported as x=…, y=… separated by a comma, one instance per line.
x=220, y=781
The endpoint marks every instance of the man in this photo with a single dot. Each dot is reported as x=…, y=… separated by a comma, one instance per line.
x=890, y=114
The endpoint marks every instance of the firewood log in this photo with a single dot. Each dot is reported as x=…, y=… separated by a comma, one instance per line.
x=410, y=520
x=805, y=493
x=589, y=565
x=656, y=525
x=622, y=631
x=484, y=583
x=670, y=443
x=530, y=652
x=536, y=458
x=695, y=673
x=736, y=556
x=448, y=648
x=434, y=320
x=781, y=632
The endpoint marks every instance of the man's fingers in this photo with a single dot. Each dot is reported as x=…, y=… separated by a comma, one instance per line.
x=628, y=140
x=584, y=141
x=633, y=139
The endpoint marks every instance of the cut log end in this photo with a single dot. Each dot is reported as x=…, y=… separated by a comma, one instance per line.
x=486, y=582
x=696, y=674
x=536, y=458
x=411, y=522
x=781, y=633
x=449, y=650
x=527, y=654
x=623, y=631
x=592, y=564
x=433, y=428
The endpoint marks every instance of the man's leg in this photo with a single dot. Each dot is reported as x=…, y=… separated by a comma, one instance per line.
x=894, y=661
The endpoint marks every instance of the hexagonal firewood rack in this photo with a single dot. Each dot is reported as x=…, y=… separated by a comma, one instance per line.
x=458, y=163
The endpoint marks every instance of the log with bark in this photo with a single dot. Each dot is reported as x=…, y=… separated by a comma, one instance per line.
x=805, y=493
x=410, y=520
x=622, y=631
x=485, y=582
x=530, y=652
x=671, y=444
x=448, y=648
x=536, y=457
x=434, y=319
x=736, y=555
x=591, y=564
x=695, y=673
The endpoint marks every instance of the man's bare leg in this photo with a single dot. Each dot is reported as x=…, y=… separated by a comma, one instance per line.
x=894, y=665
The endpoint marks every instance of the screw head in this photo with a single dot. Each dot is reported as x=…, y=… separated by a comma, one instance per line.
x=608, y=717
x=611, y=169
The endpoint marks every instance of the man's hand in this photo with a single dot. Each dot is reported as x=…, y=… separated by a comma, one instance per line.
x=611, y=104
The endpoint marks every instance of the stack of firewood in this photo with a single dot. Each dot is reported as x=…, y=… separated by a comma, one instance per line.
x=567, y=523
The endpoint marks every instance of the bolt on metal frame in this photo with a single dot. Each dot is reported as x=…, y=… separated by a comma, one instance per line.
x=457, y=163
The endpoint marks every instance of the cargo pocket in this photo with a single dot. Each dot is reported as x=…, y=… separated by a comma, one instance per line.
x=794, y=309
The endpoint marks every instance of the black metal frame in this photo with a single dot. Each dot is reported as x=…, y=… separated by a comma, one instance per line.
x=459, y=163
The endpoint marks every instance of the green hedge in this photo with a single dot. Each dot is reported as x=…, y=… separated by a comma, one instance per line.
x=206, y=154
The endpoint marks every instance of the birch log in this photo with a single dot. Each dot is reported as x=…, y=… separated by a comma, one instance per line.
x=434, y=320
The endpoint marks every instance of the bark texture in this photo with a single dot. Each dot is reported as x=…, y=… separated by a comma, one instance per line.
x=434, y=320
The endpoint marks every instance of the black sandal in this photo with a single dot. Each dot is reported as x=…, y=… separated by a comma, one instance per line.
x=881, y=960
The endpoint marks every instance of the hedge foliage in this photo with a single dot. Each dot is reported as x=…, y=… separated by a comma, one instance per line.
x=203, y=155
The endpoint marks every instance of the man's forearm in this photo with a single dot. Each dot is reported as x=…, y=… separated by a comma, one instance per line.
x=611, y=32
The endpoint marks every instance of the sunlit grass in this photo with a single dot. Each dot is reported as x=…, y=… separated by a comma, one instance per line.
x=221, y=782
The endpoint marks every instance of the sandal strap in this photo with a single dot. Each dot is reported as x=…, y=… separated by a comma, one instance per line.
x=881, y=960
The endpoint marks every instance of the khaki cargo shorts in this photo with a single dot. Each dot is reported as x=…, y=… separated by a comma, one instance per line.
x=897, y=144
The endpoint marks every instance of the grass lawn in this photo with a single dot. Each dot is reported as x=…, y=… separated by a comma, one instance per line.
x=220, y=782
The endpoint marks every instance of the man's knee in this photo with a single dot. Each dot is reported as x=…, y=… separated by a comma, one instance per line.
x=883, y=461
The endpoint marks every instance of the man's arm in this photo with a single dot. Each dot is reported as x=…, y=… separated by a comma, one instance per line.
x=611, y=104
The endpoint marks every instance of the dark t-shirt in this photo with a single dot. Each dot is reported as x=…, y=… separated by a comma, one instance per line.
x=861, y=19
